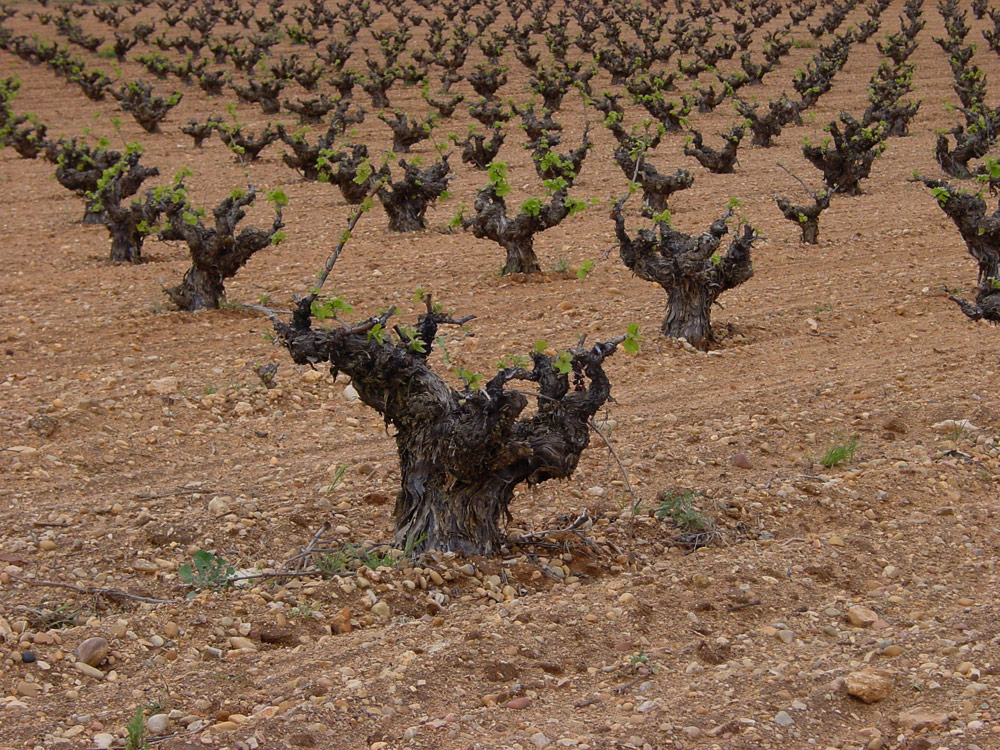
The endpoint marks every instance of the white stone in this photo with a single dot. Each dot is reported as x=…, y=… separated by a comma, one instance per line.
x=954, y=425
x=158, y=724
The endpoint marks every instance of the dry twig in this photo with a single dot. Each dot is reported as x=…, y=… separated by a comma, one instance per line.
x=106, y=592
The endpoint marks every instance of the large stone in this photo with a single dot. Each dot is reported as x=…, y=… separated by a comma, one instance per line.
x=740, y=461
x=158, y=724
x=28, y=689
x=93, y=651
x=920, y=718
x=869, y=685
x=341, y=622
x=163, y=386
x=861, y=617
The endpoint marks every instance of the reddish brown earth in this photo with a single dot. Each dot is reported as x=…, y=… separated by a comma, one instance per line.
x=134, y=436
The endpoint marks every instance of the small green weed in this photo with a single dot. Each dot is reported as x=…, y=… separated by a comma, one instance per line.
x=639, y=657
x=136, y=731
x=957, y=433
x=640, y=661
x=839, y=453
x=561, y=265
x=680, y=510
x=375, y=560
x=697, y=529
x=338, y=477
x=302, y=610
x=333, y=563
x=351, y=557
x=61, y=616
x=206, y=571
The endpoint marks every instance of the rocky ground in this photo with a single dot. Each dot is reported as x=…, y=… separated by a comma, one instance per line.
x=851, y=606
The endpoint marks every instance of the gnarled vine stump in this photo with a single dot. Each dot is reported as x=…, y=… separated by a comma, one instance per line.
x=690, y=269
x=461, y=453
x=981, y=233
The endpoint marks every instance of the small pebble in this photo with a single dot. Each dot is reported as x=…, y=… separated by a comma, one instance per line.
x=539, y=740
x=89, y=670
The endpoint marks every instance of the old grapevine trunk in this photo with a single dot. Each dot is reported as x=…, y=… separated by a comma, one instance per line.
x=405, y=201
x=981, y=232
x=688, y=312
x=690, y=268
x=217, y=252
x=126, y=242
x=656, y=188
x=521, y=257
x=807, y=217
x=461, y=453
x=121, y=216
x=515, y=235
x=810, y=232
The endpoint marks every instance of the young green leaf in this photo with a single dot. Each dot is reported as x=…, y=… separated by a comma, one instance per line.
x=563, y=363
x=632, y=339
x=278, y=197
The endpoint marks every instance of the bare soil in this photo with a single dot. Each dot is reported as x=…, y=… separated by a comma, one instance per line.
x=134, y=436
